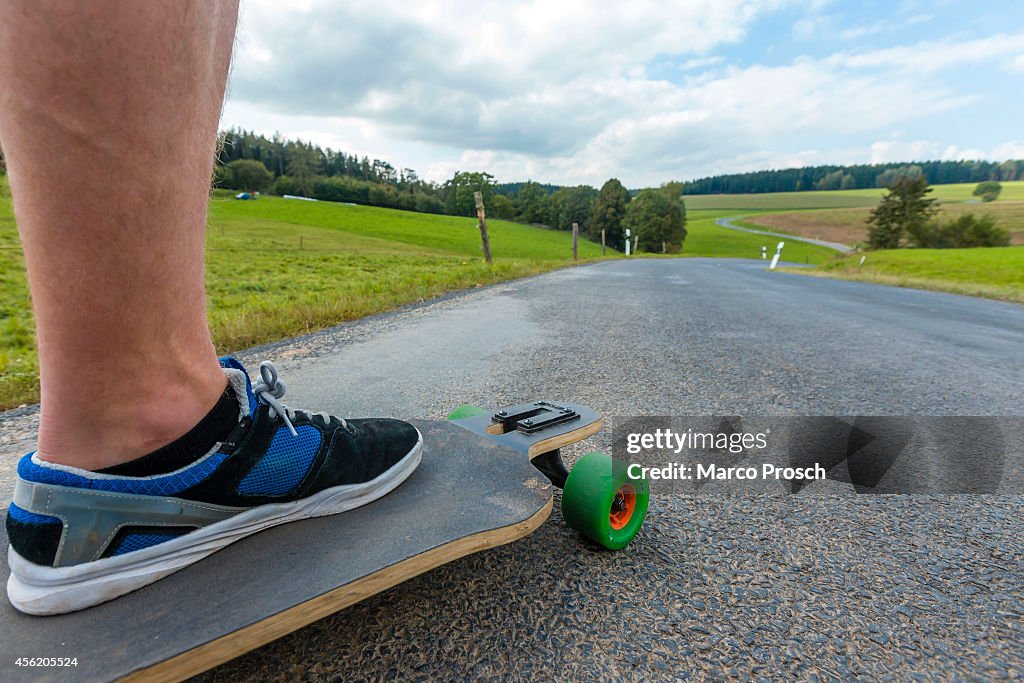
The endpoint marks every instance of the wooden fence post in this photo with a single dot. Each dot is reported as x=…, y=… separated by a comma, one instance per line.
x=482, y=218
x=575, y=240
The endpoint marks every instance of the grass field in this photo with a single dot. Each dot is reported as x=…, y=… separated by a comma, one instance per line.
x=704, y=238
x=775, y=201
x=277, y=268
x=839, y=199
x=996, y=273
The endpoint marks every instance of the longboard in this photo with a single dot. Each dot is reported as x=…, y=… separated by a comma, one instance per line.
x=474, y=489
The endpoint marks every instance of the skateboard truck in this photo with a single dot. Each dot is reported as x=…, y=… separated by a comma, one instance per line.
x=551, y=466
x=530, y=418
x=600, y=498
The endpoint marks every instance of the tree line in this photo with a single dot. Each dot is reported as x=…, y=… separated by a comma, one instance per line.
x=856, y=176
x=247, y=161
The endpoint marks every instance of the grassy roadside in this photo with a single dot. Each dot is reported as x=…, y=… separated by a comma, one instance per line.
x=995, y=273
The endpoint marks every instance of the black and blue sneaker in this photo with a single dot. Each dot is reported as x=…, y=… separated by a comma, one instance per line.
x=79, y=538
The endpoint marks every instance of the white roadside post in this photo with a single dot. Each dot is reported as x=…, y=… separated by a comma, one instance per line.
x=861, y=264
x=764, y=252
x=627, y=241
x=778, y=253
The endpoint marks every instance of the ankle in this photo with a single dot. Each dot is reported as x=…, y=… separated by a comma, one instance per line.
x=112, y=430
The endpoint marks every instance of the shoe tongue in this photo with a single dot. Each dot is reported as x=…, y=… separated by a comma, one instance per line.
x=235, y=364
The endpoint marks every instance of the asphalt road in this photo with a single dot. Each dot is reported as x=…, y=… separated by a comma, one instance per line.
x=826, y=585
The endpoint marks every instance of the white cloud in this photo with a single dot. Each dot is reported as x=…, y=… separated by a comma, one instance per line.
x=890, y=151
x=561, y=91
x=929, y=56
x=701, y=62
x=884, y=27
x=1008, y=150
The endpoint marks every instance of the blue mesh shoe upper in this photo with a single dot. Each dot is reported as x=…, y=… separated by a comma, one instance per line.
x=285, y=463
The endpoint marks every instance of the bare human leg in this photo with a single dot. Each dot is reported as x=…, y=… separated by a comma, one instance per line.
x=108, y=120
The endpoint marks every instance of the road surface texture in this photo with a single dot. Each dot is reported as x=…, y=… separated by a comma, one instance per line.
x=728, y=223
x=817, y=587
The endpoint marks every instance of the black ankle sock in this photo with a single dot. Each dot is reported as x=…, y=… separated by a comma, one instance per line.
x=215, y=427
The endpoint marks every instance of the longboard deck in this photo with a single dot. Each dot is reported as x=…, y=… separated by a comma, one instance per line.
x=469, y=493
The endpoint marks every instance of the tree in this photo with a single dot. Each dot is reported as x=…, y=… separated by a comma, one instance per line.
x=658, y=218
x=832, y=181
x=1011, y=169
x=247, y=174
x=573, y=205
x=904, y=211
x=988, y=190
x=533, y=204
x=302, y=167
x=609, y=210
x=502, y=207
x=891, y=175
x=459, y=192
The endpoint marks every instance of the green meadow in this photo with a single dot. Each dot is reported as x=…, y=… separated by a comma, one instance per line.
x=704, y=238
x=277, y=268
x=995, y=273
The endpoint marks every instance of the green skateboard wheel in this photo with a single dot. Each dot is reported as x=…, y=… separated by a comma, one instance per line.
x=602, y=502
x=466, y=410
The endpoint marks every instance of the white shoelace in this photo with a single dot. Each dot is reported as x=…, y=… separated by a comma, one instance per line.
x=270, y=388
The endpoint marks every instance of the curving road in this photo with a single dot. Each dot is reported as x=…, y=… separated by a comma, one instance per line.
x=728, y=223
x=837, y=585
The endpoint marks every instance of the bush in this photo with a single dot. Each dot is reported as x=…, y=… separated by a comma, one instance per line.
x=965, y=231
x=428, y=204
x=988, y=190
x=284, y=185
x=247, y=174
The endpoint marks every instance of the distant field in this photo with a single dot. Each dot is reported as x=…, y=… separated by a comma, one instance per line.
x=774, y=201
x=449, y=234
x=956, y=192
x=996, y=273
x=849, y=226
x=704, y=238
x=277, y=268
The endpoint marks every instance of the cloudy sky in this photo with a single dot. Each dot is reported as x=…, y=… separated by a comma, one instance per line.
x=576, y=92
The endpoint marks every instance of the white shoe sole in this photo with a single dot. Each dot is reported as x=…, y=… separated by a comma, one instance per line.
x=36, y=589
